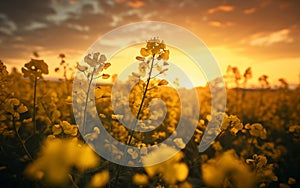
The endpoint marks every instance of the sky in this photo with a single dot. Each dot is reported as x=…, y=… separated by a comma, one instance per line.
x=261, y=34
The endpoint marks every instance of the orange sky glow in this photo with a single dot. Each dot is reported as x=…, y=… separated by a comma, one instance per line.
x=263, y=35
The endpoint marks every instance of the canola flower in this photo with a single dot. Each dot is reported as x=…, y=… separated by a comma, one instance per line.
x=35, y=69
x=155, y=50
x=171, y=170
x=227, y=170
x=155, y=47
x=56, y=159
x=275, y=138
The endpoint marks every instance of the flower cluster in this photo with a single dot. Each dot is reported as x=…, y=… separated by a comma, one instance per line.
x=155, y=47
x=35, y=69
x=57, y=158
x=64, y=127
x=97, y=62
x=256, y=130
x=3, y=71
x=171, y=170
x=227, y=170
x=264, y=171
x=232, y=123
x=14, y=107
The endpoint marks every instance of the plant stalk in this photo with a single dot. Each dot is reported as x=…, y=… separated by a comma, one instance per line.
x=21, y=140
x=34, y=105
x=87, y=100
x=137, y=117
x=143, y=99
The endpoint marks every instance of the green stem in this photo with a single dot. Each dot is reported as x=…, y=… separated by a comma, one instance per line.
x=34, y=105
x=21, y=140
x=87, y=100
x=137, y=118
x=72, y=181
x=47, y=113
x=66, y=80
x=143, y=99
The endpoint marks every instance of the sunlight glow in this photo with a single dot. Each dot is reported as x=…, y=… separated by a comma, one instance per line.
x=180, y=64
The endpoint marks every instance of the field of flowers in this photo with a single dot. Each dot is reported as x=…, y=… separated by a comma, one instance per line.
x=42, y=145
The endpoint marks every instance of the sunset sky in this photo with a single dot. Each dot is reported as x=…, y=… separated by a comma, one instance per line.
x=263, y=34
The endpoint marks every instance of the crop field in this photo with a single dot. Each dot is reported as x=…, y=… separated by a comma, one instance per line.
x=47, y=142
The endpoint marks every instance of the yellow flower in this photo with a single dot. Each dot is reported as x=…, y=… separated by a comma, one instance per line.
x=144, y=52
x=35, y=68
x=257, y=130
x=100, y=179
x=165, y=55
x=217, y=172
x=58, y=157
x=155, y=47
x=95, y=59
x=172, y=170
x=140, y=179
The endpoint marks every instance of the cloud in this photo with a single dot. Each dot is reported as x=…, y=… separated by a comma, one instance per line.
x=66, y=10
x=224, y=8
x=263, y=39
x=132, y=3
x=249, y=11
x=24, y=12
x=78, y=27
x=7, y=26
x=265, y=3
x=75, y=24
x=136, y=4
x=215, y=23
x=35, y=25
x=220, y=24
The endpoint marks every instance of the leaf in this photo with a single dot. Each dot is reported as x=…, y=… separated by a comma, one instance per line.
x=81, y=68
x=56, y=69
x=163, y=82
x=62, y=55
x=140, y=58
x=106, y=65
x=164, y=70
x=105, y=76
